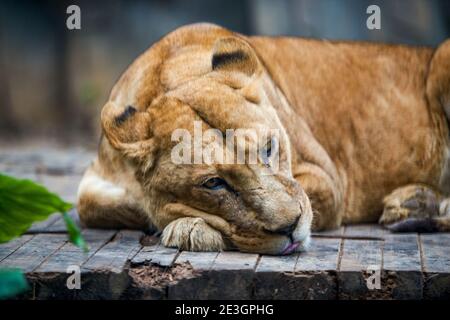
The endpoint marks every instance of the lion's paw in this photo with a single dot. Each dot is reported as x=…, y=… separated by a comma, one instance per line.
x=408, y=204
x=192, y=234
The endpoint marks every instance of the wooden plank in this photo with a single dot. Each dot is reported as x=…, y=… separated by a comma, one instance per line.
x=308, y=275
x=114, y=255
x=402, y=275
x=365, y=231
x=277, y=263
x=19, y=164
x=43, y=226
x=29, y=256
x=70, y=255
x=401, y=253
x=323, y=255
x=360, y=259
x=358, y=255
x=103, y=275
x=436, y=265
x=275, y=279
x=436, y=252
x=203, y=285
x=198, y=260
x=231, y=276
x=60, y=224
x=336, y=233
x=8, y=248
x=156, y=254
x=230, y=260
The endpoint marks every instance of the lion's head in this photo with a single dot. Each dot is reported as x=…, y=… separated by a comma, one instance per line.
x=207, y=74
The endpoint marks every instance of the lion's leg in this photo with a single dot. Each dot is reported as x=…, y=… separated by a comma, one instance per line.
x=323, y=195
x=416, y=208
x=104, y=204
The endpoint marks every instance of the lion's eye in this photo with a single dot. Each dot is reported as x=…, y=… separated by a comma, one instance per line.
x=268, y=150
x=215, y=184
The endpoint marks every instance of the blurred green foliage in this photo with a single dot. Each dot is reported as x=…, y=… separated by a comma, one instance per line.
x=23, y=202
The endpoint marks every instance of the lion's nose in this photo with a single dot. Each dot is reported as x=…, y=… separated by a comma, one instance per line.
x=285, y=230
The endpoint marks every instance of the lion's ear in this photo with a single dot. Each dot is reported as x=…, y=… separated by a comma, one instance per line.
x=128, y=130
x=234, y=54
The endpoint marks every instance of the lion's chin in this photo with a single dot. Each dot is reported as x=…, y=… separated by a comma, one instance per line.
x=304, y=244
x=281, y=246
x=302, y=236
x=298, y=241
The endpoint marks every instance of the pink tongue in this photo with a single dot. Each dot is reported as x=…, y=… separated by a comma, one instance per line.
x=290, y=248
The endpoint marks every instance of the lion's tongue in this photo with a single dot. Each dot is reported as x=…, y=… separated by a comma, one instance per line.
x=291, y=248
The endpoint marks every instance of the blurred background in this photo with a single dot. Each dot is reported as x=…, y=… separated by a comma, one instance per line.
x=54, y=81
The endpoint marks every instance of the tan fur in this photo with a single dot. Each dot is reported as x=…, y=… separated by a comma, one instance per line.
x=357, y=121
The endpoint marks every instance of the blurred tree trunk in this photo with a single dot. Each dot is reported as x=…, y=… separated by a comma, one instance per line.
x=62, y=108
x=445, y=9
x=71, y=122
x=8, y=122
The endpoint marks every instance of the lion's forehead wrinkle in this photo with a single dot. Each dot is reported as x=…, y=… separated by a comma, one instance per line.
x=213, y=99
x=185, y=65
x=218, y=102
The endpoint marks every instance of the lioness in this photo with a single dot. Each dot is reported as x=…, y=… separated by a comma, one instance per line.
x=363, y=137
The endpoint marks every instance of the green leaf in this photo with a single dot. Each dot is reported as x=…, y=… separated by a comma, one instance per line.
x=23, y=202
x=12, y=282
x=74, y=233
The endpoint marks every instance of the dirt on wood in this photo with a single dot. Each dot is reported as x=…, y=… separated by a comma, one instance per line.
x=153, y=275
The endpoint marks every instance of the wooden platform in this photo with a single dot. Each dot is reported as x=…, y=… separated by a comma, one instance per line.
x=130, y=265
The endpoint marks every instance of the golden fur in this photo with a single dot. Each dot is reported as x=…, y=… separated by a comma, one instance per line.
x=358, y=122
